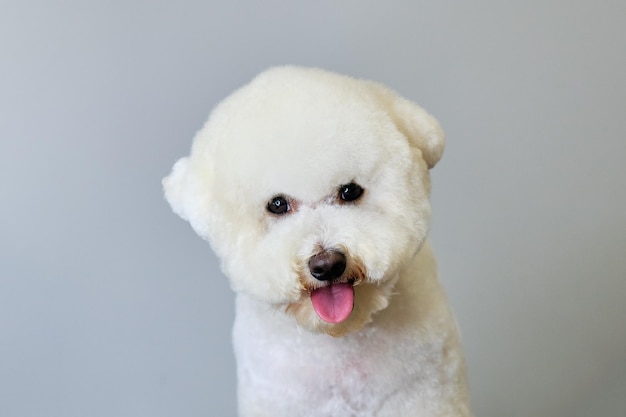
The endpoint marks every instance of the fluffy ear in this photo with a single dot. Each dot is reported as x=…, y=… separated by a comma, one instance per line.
x=174, y=187
x=422, y=130
x=188, y=195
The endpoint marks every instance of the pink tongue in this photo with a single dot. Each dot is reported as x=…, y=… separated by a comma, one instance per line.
x=334, y=302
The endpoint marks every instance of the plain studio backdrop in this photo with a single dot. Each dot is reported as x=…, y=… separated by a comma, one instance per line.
x=111, y=306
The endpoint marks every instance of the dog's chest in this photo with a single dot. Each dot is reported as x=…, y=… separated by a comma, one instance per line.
x=280, y=366
x=328, y=380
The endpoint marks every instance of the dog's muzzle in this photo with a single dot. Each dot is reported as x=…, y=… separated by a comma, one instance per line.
x=334, y=302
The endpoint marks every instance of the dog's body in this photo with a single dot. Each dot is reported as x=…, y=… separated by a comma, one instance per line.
x=313, y=189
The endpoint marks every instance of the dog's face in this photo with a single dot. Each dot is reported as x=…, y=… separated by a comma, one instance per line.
x=313, y=189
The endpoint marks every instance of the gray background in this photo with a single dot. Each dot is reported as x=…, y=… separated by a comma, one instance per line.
x=111, y=306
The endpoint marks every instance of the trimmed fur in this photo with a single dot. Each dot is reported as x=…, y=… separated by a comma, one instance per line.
x=301, y=133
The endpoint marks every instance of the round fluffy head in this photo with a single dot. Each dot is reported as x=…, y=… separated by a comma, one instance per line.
x=302, y=163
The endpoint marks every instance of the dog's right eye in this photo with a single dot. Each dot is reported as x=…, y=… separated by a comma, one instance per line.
x=278, y=205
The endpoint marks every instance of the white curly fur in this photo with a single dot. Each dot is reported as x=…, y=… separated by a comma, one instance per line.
x=301, y=133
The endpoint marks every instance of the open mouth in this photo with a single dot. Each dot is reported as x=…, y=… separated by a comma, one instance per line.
x=333, y=303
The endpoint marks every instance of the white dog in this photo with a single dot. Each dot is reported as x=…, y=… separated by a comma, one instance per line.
x=313, y=190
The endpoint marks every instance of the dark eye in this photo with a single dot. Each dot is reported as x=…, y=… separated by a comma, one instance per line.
x=278, y=205
x=350, y=192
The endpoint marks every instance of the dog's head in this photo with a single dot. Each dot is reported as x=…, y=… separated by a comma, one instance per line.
x=313, y=189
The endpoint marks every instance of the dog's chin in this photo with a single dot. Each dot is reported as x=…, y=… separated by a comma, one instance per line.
x=369, y=298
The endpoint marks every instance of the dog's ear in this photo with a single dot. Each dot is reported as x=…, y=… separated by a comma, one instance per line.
x=421, y=129
x=174, y=187
x=187, y=191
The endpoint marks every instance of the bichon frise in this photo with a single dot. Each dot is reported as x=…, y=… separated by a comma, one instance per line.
x=313, y=190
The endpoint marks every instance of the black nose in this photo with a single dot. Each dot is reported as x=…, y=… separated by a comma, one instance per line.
x=327, y=265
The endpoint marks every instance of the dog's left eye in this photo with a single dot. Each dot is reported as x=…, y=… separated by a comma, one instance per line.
x=278, y=205
x=350, y=192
